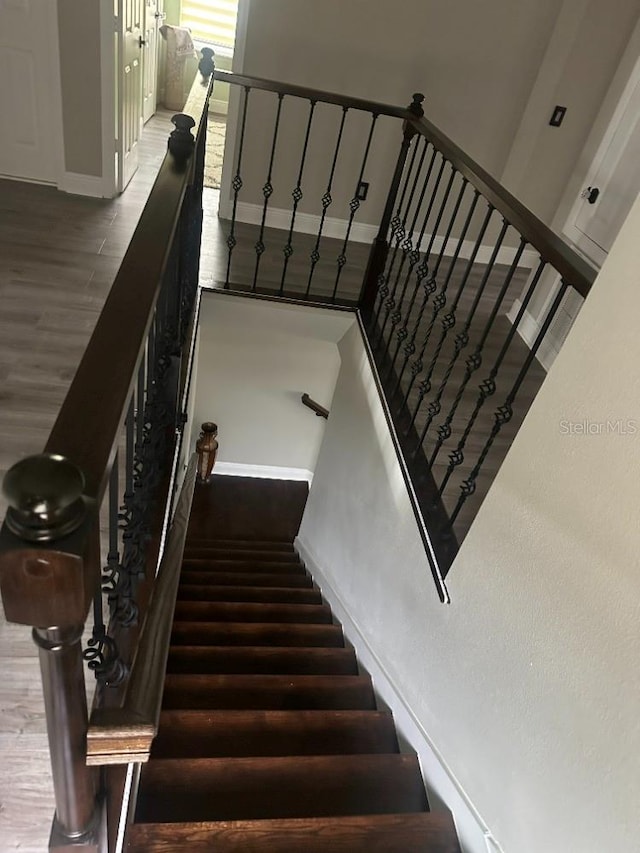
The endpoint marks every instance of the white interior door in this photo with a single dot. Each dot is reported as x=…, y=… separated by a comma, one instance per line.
x=29, y=135
x=130, y=32
x=153, y=16
x=613, y=182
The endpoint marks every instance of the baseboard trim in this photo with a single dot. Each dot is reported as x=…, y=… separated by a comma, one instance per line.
x=264, y=472
x=88, y=185
x=529, y=329
x=362, y=232
x=442, y=785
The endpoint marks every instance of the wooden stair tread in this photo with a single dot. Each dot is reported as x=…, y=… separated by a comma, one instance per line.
x=299, y=786
x=271, y=566
x=276, y=692
x=240, y=554
x=422, y=832
x=240, y=544
x=224, y=611
x=256, y=634
x=276, y=660
x=270, y=594
x=213, y=578
x=260, y=733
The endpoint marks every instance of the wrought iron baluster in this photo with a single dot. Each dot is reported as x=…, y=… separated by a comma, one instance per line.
x=430, y=285
x=123, y=607
x=326, y=201
x=474, y=361
x=406, y=245
x=438, y=304
x=397, y=234
x=267, y=191
x=236, y=185
x=504, y=413
x=414, y=257
x=354, y=206
x=461, y=340
x=102, y=654
x=403, y=331
x=297, y=196
x=487, y=387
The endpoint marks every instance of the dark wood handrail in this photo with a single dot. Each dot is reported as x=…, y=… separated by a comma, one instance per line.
x=121, y=735
x=86, y=429
x=320, y=411
x=571, y=266
x=319, y=95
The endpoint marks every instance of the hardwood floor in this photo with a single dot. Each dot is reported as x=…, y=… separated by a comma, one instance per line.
x=58, y=257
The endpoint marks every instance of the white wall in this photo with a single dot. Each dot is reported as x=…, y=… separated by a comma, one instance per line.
x=255, y=360
x=527, y=686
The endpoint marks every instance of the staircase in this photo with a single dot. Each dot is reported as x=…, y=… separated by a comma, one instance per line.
x=270, y=739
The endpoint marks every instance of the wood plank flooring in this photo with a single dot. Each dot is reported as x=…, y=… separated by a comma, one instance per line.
x=58, y=257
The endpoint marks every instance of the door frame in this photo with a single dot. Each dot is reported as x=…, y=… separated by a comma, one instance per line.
x=108, y=94
x=615, y=102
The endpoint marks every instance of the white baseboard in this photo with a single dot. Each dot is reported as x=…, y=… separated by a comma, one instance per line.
x=265, y=472
x=528, y=329
x=442, y=785
x=77, y=184
x=362, y=232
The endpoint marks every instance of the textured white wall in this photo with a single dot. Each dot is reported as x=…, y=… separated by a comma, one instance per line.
x=255, y=359
x=528, y=683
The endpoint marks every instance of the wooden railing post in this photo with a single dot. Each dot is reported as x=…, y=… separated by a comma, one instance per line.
x=380, y=246
x=48, y=573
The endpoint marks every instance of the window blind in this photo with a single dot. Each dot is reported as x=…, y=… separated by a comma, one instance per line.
x=211, y=21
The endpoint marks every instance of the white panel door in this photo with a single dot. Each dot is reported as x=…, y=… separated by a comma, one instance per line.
x=29, y=129
x=153, y=17
x=131, y=28
x=613, y=182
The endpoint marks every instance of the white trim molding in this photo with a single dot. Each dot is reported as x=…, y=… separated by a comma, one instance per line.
x=78, y=184
x=442, y=785
x=362, y=232
x=265, y=472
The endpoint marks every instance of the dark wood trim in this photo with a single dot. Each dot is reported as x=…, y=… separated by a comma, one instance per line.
x=121, y=735
x=320, y=411
x=375, y=107
x=572, y=267
x=93, y=412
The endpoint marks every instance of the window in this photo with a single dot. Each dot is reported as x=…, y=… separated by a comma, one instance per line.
x=211, y=21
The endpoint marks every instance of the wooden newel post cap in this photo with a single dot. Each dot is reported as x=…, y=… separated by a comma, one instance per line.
x=181, y=142
x=415, y=106
x=209, y=426
x=45, y=497
x=207, y=64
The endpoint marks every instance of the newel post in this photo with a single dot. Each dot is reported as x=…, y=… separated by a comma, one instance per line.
x=207, y=449
x=380, y=246
x=49, y=568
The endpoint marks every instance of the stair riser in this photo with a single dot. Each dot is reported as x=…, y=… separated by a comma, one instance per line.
x=246, y=579
x=275, y=693
x=232, y=789
x=257, y=660
x=211, y=734
x=240, y=634
x=232, y=612
x=272, y=595
x=271, y=567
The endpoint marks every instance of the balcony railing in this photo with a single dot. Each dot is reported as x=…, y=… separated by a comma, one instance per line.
x=443, y=288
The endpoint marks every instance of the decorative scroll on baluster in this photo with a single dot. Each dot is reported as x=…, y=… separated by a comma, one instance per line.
x=487, y=387
x=297, y=196
x=504, y=413
x=326, y=201
x=267, y=191
x=236, y=185
x=207, y=450
x=207, y=64
x=102, y=654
